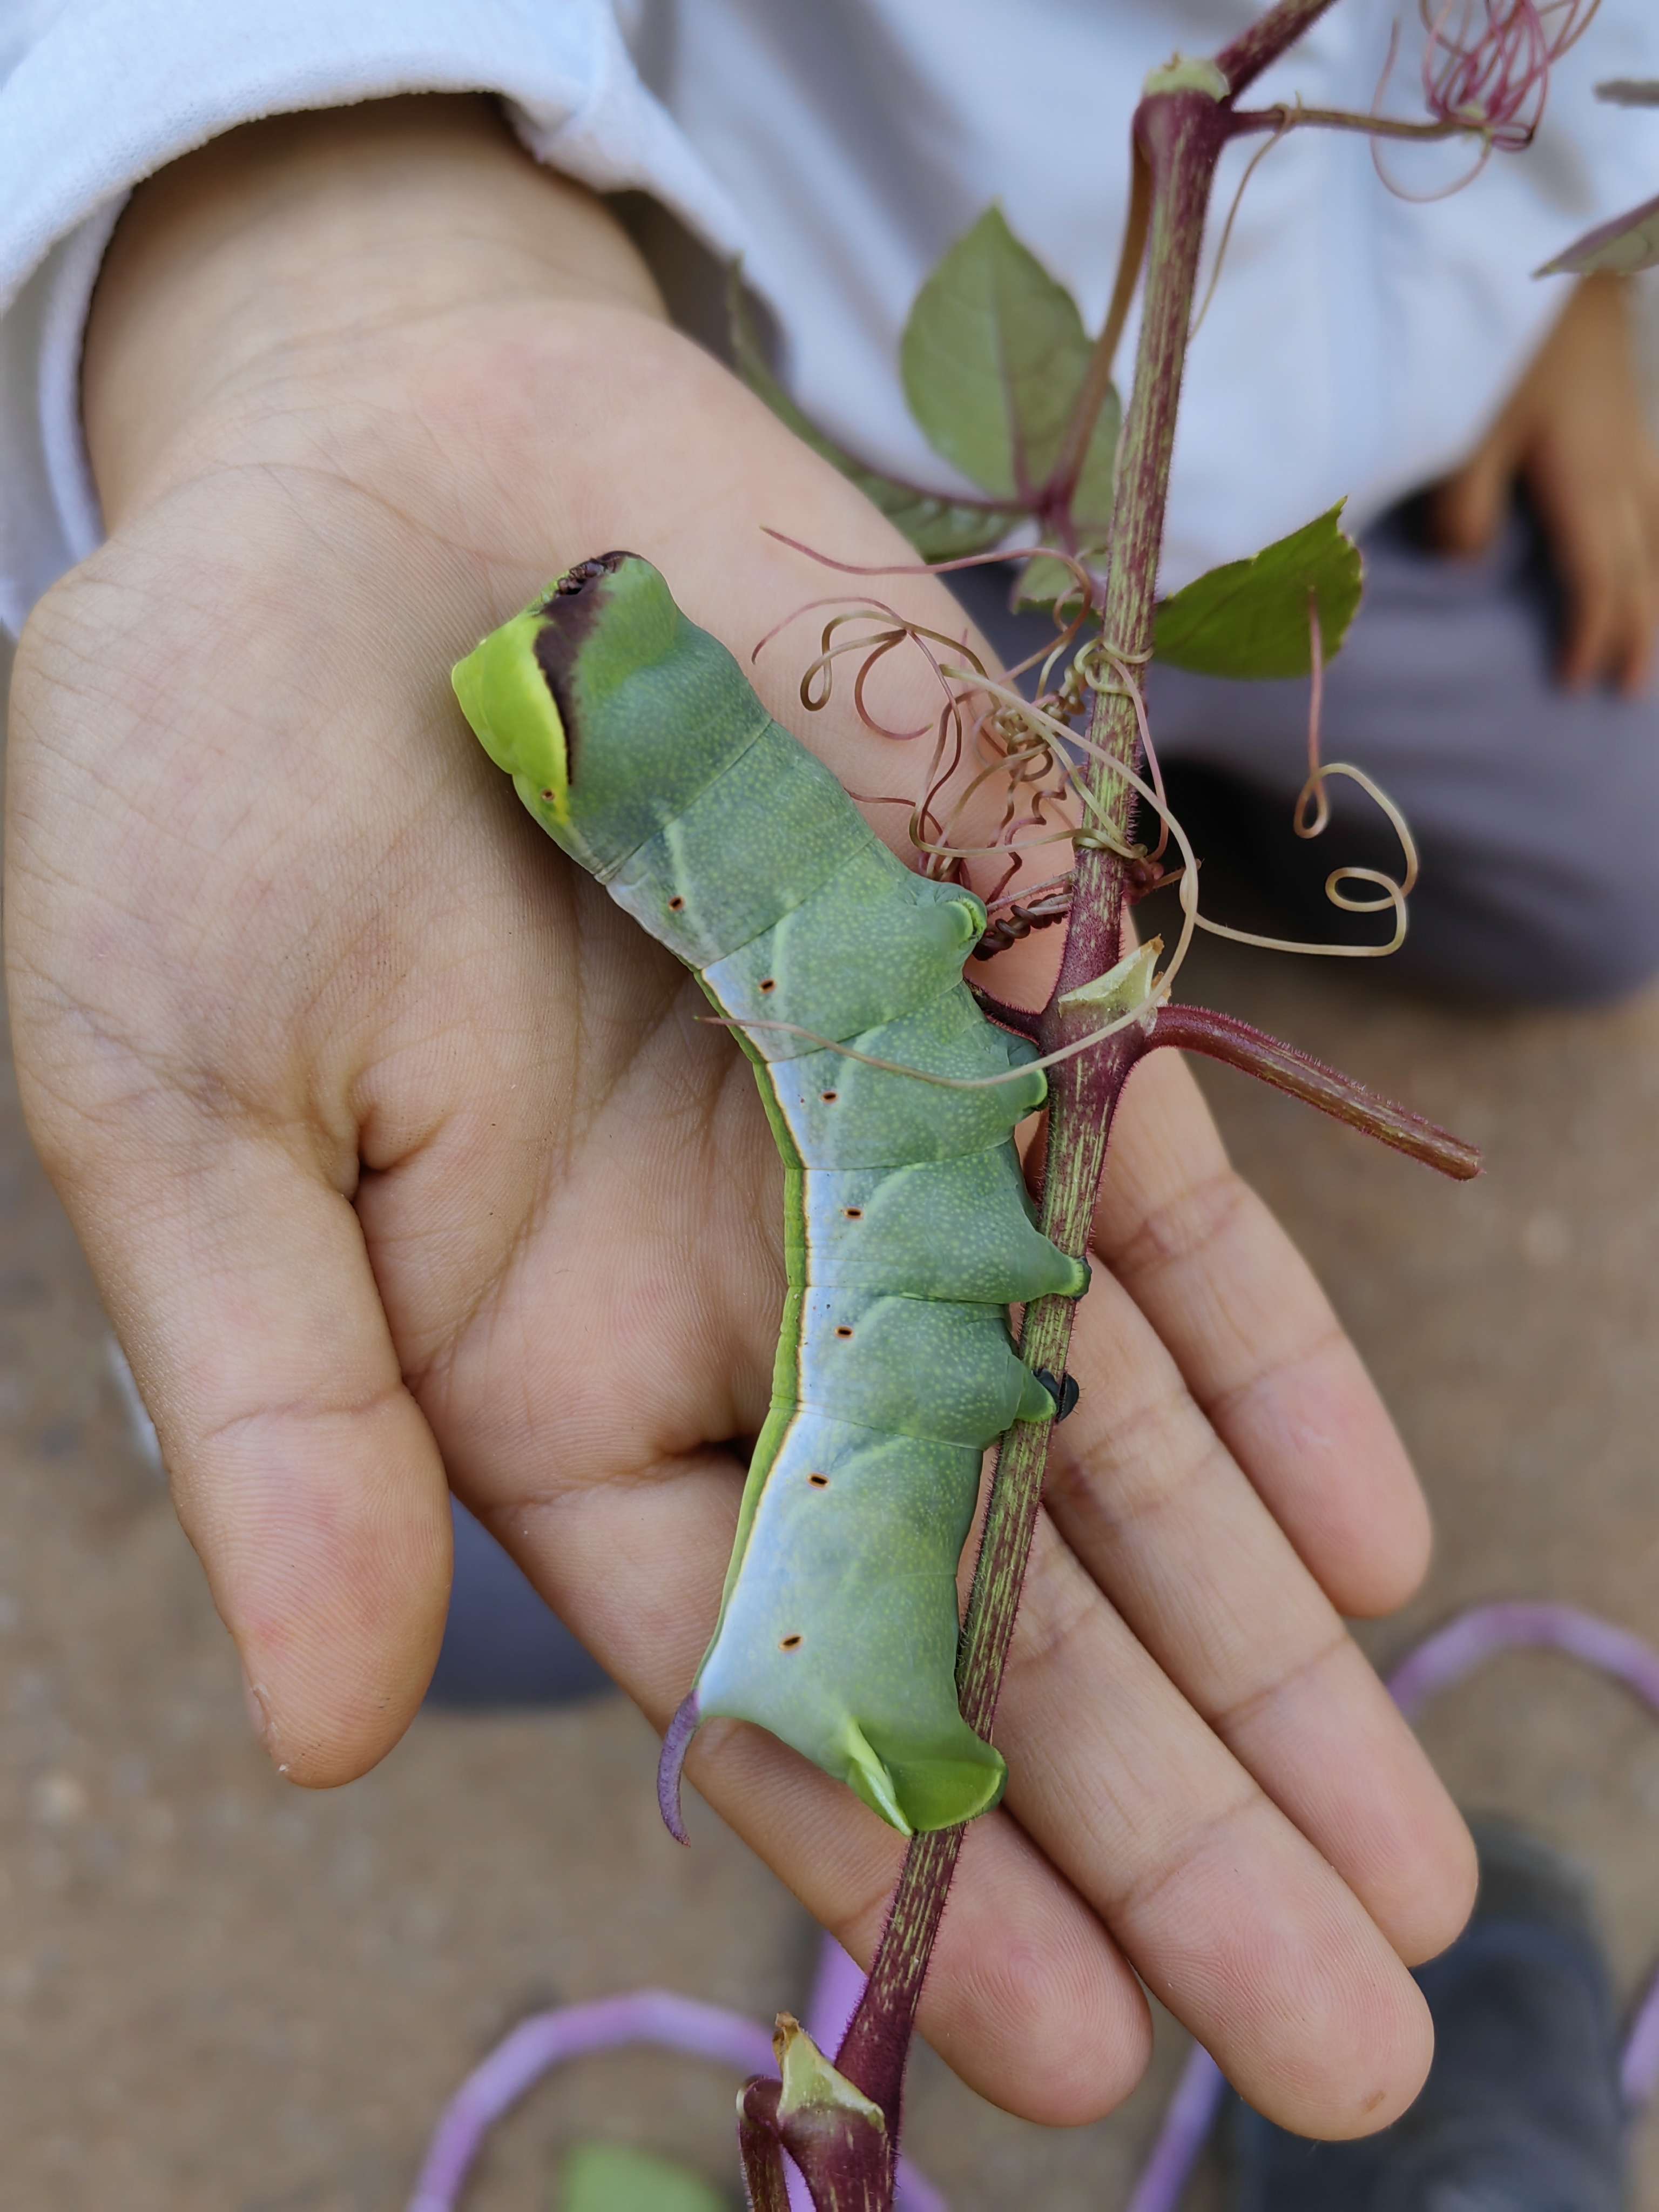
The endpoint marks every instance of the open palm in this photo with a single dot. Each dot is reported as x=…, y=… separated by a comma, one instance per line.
x=402, y=1157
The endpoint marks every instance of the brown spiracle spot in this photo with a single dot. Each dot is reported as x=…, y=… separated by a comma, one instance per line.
x=843, y=1330
x=853, y=1212
x=789, y=1643
x=819, y=1481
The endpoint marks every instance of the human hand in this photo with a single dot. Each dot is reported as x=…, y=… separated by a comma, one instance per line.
x=398, y=1150
x=1574, y=433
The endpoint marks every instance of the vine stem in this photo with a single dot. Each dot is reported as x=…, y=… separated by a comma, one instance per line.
x=1236, y=1043
x=1267, y=38
x=1179, y=138
x=1062, y=484
x=764, y=2182
x=1340, y=118
x=1180, y=135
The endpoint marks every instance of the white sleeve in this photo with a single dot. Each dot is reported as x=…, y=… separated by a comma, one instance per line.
x=106, y=91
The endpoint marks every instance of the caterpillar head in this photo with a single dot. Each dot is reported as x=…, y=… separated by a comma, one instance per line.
x=517, y=688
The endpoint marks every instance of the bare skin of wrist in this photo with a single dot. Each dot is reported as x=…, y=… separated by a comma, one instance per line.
x=308, y=235
x=406, y=1163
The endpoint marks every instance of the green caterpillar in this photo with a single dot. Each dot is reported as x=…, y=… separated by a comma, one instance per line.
x=633, y=737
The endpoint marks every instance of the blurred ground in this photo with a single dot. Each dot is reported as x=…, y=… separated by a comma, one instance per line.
x=220, y=1994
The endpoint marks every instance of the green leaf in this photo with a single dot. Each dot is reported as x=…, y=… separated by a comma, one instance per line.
x=1044, y=580
x=939, y=527
x=608, y=2177
x=1250, y=618
x=1622, y=247
x=993, y=356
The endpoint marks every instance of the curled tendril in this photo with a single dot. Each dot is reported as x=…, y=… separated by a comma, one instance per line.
x=1486, y=71
x=1220, y=263
x=1030, y=750
x=1486, y=63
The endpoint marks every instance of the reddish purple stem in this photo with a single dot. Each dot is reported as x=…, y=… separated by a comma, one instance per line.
x=656, y=2016
x=548, y=2040
x=1221, y=1036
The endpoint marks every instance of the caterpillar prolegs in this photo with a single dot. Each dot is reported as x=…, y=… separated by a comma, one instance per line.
x=633, y=737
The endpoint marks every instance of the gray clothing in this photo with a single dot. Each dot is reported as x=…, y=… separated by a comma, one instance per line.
x=1534, y=809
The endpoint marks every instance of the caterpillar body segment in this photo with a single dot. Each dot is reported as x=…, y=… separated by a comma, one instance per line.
x=633, y=737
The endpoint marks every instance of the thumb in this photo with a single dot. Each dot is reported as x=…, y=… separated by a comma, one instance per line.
x=304, y=1473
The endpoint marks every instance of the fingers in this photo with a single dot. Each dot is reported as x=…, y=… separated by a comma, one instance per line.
x=1143, y=1834
x=1233, y=1918
x=1152, y=1506
x=304, y=1473
x=1601, y=512
x=1257, y=1345
x=1027, y=1998
x=1466, y=510
x=1601, y=556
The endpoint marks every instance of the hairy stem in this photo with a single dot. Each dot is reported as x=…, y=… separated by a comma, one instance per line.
x=1342, y=118
x=1255, y=50
x=1062, y=484
x=1221, y=1036
x=1024, y=1021
x=1181, y=136
x=763, y=2180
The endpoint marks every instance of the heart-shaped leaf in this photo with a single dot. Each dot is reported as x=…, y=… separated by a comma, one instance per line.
x=939, y=527
x=993, y=356
x=1250, y=619
x=1622, y=247
x=611, y=2178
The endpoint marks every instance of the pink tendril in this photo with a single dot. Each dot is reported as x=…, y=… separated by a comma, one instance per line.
x=1034, y=785
x=1487, y=62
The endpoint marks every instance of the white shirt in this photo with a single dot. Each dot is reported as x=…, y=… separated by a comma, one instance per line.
x=1357, y=342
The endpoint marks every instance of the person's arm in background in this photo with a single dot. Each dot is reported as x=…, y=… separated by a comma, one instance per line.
x=399, y=1154
x=1575, y=436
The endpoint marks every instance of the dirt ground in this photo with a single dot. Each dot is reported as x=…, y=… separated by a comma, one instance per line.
x=220, y=1994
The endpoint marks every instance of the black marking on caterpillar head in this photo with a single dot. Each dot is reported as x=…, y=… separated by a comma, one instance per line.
x=571, y=610
x=576, y=581
x=1064, y=1392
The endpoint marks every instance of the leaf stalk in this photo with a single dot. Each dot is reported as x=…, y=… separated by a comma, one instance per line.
x=1224, y=1037
x=766, y=2188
